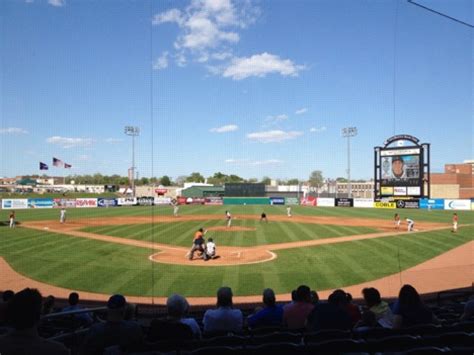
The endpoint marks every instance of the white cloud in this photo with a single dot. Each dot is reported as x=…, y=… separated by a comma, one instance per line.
x=13, y=130
x=260, y=65
x=277, y=118
x=173, y=15
x=57, y=3
x=249, y=162
x=113, y=140
x=301, y=111
x=273, y=136
x=161, y=62
x=318, y=129
x=66, y=142
x=221, y=55
x=83, y=157
x=226, y=128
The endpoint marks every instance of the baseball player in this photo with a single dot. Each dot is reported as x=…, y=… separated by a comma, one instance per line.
x=410, y=224
x=263, y=217
x=12, y=219
x=455, y=223
x=62, y=215
x=396, y=220
x=288, y=211
x=228, y=217
x=175, y=209
x=198, y=243
x=210, y=252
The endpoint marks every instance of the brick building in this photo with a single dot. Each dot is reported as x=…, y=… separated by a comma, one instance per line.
x=457, y=181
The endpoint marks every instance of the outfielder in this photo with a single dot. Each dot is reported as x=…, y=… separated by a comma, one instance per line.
x=175, y=210
x=288, y=211
x=455, y=223
x=12, y=219
x=62, y=215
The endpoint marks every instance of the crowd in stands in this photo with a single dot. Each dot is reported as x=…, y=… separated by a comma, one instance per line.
x=23, y=313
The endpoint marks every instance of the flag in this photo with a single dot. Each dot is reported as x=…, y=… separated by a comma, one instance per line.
x=43, y=166
x=57, y=162
x=67, y=166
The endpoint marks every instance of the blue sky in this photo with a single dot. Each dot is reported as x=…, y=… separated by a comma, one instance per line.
x=251, y=88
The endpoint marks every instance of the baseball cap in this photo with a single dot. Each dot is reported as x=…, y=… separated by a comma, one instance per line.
x=116, y=301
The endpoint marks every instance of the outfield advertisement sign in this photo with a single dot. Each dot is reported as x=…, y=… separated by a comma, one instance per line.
x=457, y=204
x=472, y=204
x=291, y=201
x=14, y=203
x=308, y=201
x=326, y=202
x=343, y=202
x=162, y=200
x=432, y=203
x=277, y=200
x=214, y=201
x=127, y=201
x=363, y=203
x=195, y=201
x=86, y=202
x=40, y=203
x=64, y=202
x=408, y=203
x=107, y=202
x=385, y=204
x=145, y=201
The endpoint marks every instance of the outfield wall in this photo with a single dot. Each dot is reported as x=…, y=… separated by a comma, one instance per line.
x=106, y=202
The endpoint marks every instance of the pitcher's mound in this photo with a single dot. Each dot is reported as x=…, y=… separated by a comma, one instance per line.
x=231, y=229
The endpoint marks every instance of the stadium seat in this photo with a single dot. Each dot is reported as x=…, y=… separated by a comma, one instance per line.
x=282, y=348
x=421, y=329
x=328, y=334
x=337, y=346
x=395, y=343
x=285, y=337
x=427, y=351
x=214, y=350
x=227, y=340
x=264, y=330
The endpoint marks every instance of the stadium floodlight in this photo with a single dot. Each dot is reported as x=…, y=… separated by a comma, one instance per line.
x=349, y=132
x=133, y=132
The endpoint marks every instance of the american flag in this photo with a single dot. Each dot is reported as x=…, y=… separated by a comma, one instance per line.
x=43, y=166
x=57, y=162
x=67, y=166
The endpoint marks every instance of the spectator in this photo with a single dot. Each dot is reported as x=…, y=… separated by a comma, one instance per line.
x=23, y=314
x=383, y=313
x=353, y=310
x=224, y=318
x=83, y=318
x=270, y=315
x=115, y=332
x=409, y=310
x=295, y=314
x=48, y=305
x=367, y=322
x=314, y=298
x=176, y=326
x=468, y=311
x=331, y=315
x=6, y=296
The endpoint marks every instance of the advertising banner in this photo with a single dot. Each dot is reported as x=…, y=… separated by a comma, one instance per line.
x=40, y=203
x=162, y=201
x=64, y=202
x=363, y=203
x=326, y=202
x=195, y=201
x=385, y=204
x=308, y=201
x=181, y=200
x=86, y=202
x=457, y=204
x=246, y=201
x=127, y=201
x=399, y=190
x=145, y=201
x=432, y=203
x=413, y=191
x=472, y=204
x=344, y=202
x=386, y=190
x=291, y=201
x=161, y=191
x=107, y=202
x=214, y=201
x=408, y=203
x=15, y=203
x=277, y=200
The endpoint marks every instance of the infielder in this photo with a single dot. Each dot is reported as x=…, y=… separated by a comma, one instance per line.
x=263, y=217
x=12, y=219
x=455, y=223
x=175, y=210
x=288, y=211
x=228, y=216
x=62, y=215
x=410, y=224
x=396, y=220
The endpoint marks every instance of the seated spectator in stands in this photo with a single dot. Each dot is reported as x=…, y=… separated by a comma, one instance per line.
x=409, y=310
x=175, y=326
x=84, y=318
x=367, y=322
x=380, y=308
x=6, y=296
x=115, y=332
x=23, y=314
x=468, y=313
x=48, y=305
x=271, y=315
x=353, y=310
x=130, y=312
x=224, y=319
x=314, y=298
x=295, y=314
x=331, y=315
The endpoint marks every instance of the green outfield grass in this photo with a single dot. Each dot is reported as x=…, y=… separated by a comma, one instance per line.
x=182, y=233
x=89, y=265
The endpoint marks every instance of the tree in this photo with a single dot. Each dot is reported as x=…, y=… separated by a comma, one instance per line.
x=165, y=180
x=341, y=179
x=316, y=178
x=252, y=180
x=293, y=182
x=266, y=180
x=195, y=177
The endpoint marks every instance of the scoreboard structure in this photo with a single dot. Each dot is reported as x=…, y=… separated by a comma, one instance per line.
x=402, y=168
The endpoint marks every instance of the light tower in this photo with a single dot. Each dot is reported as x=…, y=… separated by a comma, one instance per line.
x=133, y=132
x=349, y=132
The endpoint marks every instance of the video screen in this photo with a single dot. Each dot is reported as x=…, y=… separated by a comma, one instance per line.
x=400, y=170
